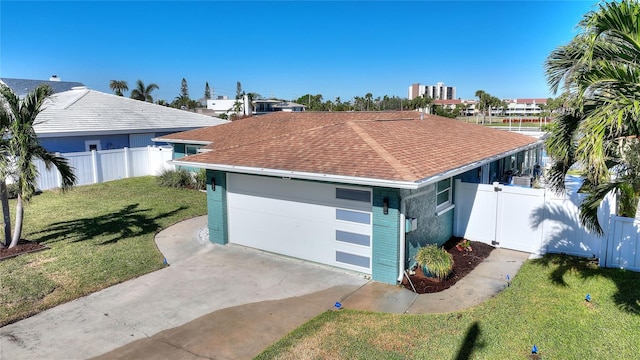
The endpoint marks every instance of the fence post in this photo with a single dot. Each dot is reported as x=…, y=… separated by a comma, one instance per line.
x=58, y=174
x=127, y=169
x=94, y=166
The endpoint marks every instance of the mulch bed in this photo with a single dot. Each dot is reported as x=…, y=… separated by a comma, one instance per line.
x=23, y=247
x=463, y=263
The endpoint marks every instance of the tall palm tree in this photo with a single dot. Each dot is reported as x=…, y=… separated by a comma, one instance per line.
x=142, y=92
x=368, y=97
x=20, y=146
x=118, y=86
x=599, y=71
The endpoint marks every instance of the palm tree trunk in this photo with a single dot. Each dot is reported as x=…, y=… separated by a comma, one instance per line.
x=6, y=216
x=19, y=213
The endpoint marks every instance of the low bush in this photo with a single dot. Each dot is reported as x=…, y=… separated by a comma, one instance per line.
x=201, y=179
x=180, y=178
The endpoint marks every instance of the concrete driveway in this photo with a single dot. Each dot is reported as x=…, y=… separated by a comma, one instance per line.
x=236, y=288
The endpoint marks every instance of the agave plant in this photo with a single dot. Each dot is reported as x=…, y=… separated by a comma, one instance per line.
x=436, y=262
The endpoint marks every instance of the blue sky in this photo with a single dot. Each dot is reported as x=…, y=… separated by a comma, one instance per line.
x=287, y=49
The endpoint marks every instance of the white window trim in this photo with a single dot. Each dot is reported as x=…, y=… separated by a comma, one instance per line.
x=445, y=206
x=88, y=143
x=197, y=147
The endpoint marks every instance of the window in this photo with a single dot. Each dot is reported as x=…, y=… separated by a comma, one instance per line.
x=352, y=259
x=352, y=194
x=92, y=145
x=353, y=238
x=353, y=216
x=191, y=149
x=443, y=197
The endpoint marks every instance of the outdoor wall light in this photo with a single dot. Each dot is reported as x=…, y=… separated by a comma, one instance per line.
x=213, y=184
x=385, y=206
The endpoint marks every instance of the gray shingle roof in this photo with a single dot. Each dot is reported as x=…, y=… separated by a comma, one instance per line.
x=23, y=86
x=82, y=111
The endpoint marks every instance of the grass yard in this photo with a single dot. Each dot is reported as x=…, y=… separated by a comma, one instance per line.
x=99, y=235
x=545, y=306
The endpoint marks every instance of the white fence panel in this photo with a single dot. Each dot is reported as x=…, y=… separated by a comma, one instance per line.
x=564, y=231
x=158, y=158
x=111, y=165
x=623, y=250
x=520, y=210
x=107, y=165
x=525, y=219
x=82, y=165
x=48, y=179
x=475, y=212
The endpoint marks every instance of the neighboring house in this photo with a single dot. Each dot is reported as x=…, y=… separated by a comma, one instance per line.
x=265, y=106
x=82, y=120
x=23, y=86
x=357, y=190
x=223, y=105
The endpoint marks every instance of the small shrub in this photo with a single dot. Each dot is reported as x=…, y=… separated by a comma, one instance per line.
x=435, y=261
x=180, y=178
x=201, y=179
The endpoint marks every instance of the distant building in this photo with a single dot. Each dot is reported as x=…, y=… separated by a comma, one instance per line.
x=255, y=107
x=23, y=86
x=436, y=92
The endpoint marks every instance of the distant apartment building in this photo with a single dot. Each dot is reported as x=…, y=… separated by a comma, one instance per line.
x=514, y=108
x=437, y=92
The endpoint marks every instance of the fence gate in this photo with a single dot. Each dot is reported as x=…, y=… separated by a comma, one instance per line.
x=503, y=216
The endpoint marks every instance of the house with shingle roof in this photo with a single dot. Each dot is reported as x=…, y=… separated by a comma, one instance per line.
x=357, y=190
x=81, y=119
x=22, y=87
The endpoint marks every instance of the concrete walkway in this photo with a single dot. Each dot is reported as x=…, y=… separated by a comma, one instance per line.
x=265, y=296
x=224, y=302
x=484, y=282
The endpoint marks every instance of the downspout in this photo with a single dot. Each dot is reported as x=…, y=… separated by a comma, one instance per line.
x=403, y=228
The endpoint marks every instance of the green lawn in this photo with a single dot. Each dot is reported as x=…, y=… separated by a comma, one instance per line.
x=545, y=306
x=99, y=235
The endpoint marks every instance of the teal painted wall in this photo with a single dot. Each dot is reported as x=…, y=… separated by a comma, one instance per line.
x=217, y=207
x=386, y=236
x=178, y=151
x=432, y=229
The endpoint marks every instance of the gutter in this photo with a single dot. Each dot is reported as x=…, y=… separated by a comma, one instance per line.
x=177, y=141
x=301, y=175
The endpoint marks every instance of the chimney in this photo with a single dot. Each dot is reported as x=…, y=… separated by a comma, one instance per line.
x=54, y=78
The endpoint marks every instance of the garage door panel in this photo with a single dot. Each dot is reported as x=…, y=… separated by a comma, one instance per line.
x=299, y=219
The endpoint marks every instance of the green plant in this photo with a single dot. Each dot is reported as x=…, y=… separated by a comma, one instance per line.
x=464, y=245
x=180, y=178
x=435, y=261
x=12, y=190
x=201, y=179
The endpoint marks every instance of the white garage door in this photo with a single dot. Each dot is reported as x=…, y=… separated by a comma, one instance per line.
x=324, y=223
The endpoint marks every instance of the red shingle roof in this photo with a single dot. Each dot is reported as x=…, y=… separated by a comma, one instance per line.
x=396, y=146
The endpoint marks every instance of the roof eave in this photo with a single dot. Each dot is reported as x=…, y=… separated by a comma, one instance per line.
x=474, y=165
x=181, y=141
x=354, y=180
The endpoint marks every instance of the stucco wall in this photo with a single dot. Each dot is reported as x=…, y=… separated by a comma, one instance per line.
x=432, y=229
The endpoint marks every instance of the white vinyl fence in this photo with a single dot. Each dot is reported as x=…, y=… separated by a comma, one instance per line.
x=539, y=221
x=100, y=166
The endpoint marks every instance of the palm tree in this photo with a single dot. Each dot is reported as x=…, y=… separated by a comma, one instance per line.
x=599, y=71
x=368, y=97
x=142, y=92
x=20, y=146
x=118, y=86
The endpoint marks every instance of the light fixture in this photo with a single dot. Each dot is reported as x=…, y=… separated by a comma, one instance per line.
x=213, y=184
x=385, y=206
